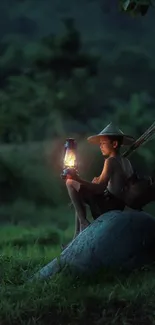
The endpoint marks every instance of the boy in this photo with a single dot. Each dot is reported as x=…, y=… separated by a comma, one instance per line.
x=105, y=192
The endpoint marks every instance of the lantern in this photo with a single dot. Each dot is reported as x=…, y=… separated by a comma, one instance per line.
x=70, y=165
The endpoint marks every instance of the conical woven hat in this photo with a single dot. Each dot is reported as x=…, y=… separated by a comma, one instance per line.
x=111, y=130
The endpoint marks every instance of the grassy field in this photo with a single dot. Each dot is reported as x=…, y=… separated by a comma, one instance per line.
x=108, y=298
x=31, y=233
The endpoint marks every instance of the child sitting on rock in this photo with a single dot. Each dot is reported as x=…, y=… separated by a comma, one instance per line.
x=105, y=192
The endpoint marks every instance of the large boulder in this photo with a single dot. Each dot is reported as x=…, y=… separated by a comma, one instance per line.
x=116, y=239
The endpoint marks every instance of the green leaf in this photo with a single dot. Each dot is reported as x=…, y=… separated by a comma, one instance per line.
x=126, y=4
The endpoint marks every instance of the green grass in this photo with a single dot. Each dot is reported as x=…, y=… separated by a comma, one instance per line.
x=108, y=298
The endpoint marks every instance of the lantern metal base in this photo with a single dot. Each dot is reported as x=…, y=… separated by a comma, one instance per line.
x=69, y=172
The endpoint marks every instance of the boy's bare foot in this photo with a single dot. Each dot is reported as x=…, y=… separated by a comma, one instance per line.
x=84, y=225
x=76, y=235
x=63, y=246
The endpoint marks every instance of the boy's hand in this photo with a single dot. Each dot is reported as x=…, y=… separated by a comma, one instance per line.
x=75, y=177
x=95, y=180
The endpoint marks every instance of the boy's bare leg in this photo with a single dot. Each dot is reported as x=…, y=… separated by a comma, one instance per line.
x=79, y=206
x=77, y=226
x=81, y=221
x=77, y=229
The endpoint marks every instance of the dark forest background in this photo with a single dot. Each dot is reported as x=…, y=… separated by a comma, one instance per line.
x=68, y=68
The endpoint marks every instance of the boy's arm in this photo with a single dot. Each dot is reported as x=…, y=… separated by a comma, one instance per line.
x=104, y=178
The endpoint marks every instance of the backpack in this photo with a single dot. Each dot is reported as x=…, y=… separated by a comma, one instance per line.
x=135, y=189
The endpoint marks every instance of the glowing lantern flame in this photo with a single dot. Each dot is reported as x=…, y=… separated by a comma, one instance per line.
x=70, y=159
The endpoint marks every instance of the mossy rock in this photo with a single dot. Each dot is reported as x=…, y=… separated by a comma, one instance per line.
x=124, y=240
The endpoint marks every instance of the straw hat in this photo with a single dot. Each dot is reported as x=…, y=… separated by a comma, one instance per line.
x=111, y=130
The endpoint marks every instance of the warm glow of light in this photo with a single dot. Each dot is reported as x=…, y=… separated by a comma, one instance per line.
x=70, y=159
